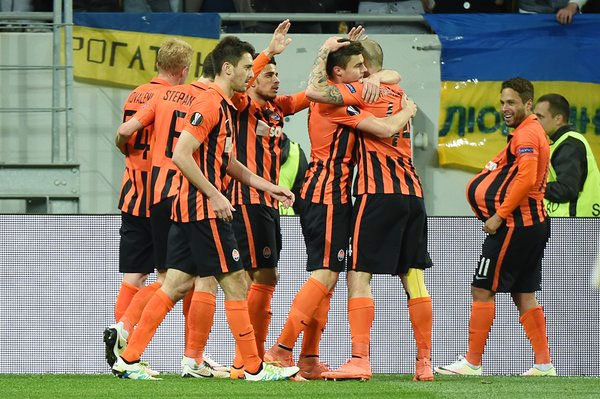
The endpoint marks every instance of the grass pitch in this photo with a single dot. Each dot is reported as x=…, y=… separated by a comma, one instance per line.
x=381, y=386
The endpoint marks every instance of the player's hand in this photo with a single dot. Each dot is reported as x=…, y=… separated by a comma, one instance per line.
x=279, y=42
x=334, y=44
x=222, y=207
x=283, y=195
x=493, y=224
x=356, y=32
x=370, y=92
x=565, y=15
x=409, y=105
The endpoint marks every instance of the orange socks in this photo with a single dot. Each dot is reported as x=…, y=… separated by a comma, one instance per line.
x=302, y=311
x=259, y=309
x=534, y=324
x=420, y=311
x=243, y=333
x=361, y=313
x=159, y=305
x=199, y=322
x=136, y=307
x=314, y=331
x=480, y=324
x=126, y=294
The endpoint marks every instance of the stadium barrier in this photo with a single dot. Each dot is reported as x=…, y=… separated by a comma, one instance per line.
x=59, y=279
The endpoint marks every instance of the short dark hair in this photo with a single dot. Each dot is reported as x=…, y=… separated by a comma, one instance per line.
x=229, y=49
x=271, y=61
x=341, y=57
x=557, y=104
x=208, y=68
x=521, y=86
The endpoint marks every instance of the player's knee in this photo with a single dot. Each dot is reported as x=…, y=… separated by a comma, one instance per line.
x=136, y=279
x=482, y=295
x=206, y=284
x=326, y=277
x=414, y=284
x=266, y=276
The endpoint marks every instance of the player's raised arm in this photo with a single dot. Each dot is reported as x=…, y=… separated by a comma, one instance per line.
x=183, y=158
x=319, y=88
x=238, y=171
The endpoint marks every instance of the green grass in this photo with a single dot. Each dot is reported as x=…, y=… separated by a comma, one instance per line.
x=381, y=386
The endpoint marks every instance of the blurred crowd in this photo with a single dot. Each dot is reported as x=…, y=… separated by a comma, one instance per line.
x=565, y=10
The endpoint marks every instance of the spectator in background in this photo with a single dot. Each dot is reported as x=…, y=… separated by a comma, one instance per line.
x=287, y=7
x=226, y=6
x=14, y=5
x=291, y=173
x=565, y=9
x=464, y=6
x=147, y=6
x=97, y=5
x=401, y=7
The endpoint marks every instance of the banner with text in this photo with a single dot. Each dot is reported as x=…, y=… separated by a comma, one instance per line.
x=481, y=51
x=120, y=48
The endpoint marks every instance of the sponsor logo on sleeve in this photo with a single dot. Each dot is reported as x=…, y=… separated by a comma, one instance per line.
x=350, y=87
x=525, y=150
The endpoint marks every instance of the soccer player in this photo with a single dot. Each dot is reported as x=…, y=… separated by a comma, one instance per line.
x=508, y=196
x=201, y=239
x=389, y=221
x=136, y=257
x=326, y=218
x=256, y=220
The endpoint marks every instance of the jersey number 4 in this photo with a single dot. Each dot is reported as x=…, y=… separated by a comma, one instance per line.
x=141, y=138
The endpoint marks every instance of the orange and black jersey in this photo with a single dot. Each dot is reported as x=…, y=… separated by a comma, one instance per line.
x=211, y=121
x=332, y=153
x=135, y=186
x=384, y=166
x=168, y=111
x=255, y=146
x=514, y=182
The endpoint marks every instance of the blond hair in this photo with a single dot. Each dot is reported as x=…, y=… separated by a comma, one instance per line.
x=174, y=55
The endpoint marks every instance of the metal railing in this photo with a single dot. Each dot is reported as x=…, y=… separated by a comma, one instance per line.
x=60, y=18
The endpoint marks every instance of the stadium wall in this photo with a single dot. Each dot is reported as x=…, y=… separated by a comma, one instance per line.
x=59, y=280
x=26, y=138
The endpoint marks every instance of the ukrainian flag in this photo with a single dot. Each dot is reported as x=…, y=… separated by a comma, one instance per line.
x=479, y=51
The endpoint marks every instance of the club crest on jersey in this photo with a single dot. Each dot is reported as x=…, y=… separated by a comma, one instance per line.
x=196, y=119
x=350, y=87
x=267, y=252
x=525, y=150
x=235, y=254
x=491, y=166
x=352, y=110
x=341, y=255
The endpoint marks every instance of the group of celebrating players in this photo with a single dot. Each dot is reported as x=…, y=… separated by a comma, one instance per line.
x=200, y=200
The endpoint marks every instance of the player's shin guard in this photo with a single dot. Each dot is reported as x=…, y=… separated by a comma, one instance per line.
x=534, y=324
x=361, y=313
x=480, y=324
x=243, y=333
x=259, y=309
x=159, y=305
x=126, y=294
x=314, y=331
x=199, y=322
x=303, y=309
x=137, y=305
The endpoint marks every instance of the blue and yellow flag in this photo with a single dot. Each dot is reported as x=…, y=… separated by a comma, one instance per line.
x=120, y=48
x=480, y=51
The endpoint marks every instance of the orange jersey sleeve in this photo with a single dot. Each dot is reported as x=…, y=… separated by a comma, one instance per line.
x=525, y=146
x=203, y=116
x=293, y=103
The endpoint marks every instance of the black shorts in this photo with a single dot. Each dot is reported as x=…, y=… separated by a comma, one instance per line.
x=389, y=234
x=326, y=230
x=511, y=259
x=258, y=234
x=135, y=246
x=160, y=218
x=204, y=248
